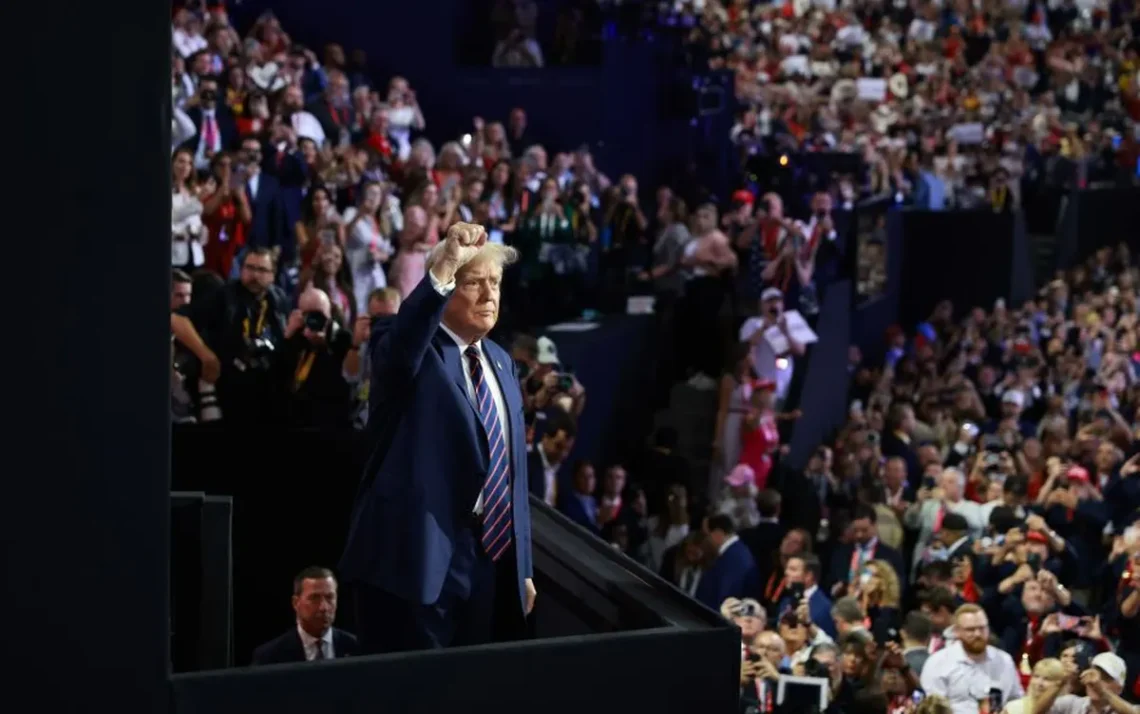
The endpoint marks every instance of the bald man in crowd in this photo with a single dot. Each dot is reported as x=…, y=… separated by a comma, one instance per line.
x=313, y=355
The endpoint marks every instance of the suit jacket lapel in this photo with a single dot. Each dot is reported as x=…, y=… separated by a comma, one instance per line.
x=299, y=646
x=453, y=363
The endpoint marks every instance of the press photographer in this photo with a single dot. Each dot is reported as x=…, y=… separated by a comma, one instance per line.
x=195, y=367
x=546, y=381
x=244, y=324
x=313, y=355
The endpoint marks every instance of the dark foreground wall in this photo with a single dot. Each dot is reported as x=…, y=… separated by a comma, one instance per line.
x=86, y=500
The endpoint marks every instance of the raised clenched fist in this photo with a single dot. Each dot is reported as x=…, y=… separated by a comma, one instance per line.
x=462, y=243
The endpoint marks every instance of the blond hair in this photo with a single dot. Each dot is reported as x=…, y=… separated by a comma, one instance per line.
x=934, y=704
x=889, y=595
x=497, y=254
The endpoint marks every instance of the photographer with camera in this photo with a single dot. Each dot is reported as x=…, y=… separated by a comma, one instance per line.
x=312, y=359
x=777, y=368
x=244, y=324
x=195, y=367
x=546, y=381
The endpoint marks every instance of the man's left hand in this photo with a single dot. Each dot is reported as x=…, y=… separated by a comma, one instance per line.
x=531, y=593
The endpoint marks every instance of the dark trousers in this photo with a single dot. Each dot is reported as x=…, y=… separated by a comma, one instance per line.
x=492, y=611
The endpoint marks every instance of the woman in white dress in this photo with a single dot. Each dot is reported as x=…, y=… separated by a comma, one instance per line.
x=187, y=233
x=367, y=246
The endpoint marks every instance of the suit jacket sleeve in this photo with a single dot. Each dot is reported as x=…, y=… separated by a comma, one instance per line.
x=401, y=349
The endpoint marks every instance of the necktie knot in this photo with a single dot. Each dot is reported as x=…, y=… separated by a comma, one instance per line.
x=472, y=352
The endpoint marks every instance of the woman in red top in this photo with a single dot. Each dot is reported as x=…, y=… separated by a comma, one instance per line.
x=760, y=438
x=226, y=213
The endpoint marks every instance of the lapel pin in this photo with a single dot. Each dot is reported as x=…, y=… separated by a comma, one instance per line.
x=497, y=364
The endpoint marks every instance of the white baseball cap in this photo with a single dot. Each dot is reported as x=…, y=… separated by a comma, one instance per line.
x=547, y=351
x=1111, y=664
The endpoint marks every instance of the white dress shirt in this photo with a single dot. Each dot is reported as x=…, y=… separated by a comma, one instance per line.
x=549, y=477
x=488, y=375
x=766, y=363
x=310, y=644
x=728, y=543
x=207, y=149
x=951, y=673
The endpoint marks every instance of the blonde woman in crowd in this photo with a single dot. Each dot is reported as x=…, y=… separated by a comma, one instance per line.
x=1046, y=672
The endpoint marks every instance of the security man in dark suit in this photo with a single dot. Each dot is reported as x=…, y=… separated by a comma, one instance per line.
x=314, y=637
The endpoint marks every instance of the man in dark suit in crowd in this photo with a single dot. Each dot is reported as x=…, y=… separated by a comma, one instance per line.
x=545, y=460
x=897, y=441
x=733, y=573
x=802, y=575
x=216, y=128
x=268, y=228
x=314, y=637
x=577, y=502
x=763, y=539
x=848, y=560
x=439, y=544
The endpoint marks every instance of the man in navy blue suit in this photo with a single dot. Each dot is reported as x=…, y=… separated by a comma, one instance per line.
x=439, y=544
x=802, y=575
x=733, y=573
x=848, y=560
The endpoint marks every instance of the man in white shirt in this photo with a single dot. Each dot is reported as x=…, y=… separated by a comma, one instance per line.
x=969, y=672
x=765, y=361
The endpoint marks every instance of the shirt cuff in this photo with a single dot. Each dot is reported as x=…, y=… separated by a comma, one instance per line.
x=443, y=289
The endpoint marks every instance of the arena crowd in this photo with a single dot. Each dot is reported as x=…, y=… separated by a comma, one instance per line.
x=966, y=542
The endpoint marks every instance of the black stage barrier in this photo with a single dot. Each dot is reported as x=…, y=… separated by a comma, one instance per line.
x=1098, y=218
x=616, y=364
x=201, y=587
x=606, y=618
x=971, y=258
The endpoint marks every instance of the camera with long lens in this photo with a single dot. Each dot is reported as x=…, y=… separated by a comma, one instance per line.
x=258, y=354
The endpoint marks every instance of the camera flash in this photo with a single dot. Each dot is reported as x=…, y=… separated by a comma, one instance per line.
x=781, y=363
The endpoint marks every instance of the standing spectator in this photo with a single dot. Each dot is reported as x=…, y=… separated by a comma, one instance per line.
x=216, y=130
x=966, y=670
x=404, y=116
x=320, y=224
x=710, y=260
x=546, y=457
x=226, y=213
x=330, y=274
x=415, y=242
x=268, y=227
x=733, y=405
x=187, y=232
x=670, y=527
x=766, y=363
x=733, y=572
x=578, y=502
x=367, y=242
